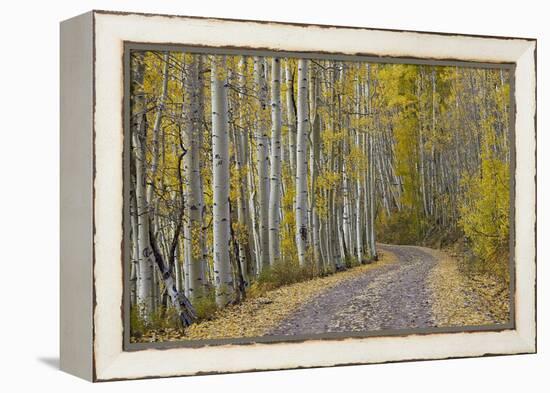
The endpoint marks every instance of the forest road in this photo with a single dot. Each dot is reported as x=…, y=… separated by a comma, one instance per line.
x=395, y=296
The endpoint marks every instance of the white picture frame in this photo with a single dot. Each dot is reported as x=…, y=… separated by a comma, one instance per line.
x=92, y=138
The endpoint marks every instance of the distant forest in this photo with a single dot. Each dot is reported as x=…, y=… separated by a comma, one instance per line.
x=251, y=170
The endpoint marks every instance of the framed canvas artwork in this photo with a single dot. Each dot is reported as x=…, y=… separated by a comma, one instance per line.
x=246, y=195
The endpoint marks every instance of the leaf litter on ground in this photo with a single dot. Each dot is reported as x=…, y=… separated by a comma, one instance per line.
x=258, y=315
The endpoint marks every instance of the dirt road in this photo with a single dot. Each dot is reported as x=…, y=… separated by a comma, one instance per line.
x=395, y=296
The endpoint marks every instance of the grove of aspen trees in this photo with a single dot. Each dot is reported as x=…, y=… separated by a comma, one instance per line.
x=252, y=172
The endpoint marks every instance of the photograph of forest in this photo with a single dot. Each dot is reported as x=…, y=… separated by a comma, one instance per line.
x=284, y=196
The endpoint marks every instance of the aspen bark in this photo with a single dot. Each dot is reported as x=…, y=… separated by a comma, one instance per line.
x=145, y=278
x=223, y=277
x=370, y=201
x=358, y=182
x=262, y=157
x=186, y=313
x=145, y=262
x=358, y=206
x=315, y=152
x=301, y=163
x=291, y=117
x=156, y=131
x=134, y=269
x=246, y=241
x=275, y=175
x=193, y=240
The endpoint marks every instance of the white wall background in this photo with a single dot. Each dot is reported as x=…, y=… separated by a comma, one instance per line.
x=29, y=198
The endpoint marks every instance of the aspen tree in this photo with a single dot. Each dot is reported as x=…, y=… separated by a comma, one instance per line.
x=291, y=117
x=145, y=261
x=315, y=151
x=301, y=162
x=262, y=158
x=223, y=278
x=192, y=134
x=275, y=174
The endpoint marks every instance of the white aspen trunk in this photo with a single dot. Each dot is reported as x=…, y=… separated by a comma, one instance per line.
x=145, y=262
x=194, y=237
x=291, y=118
x=301, y=163
x=369, y=179
x=344, y=148
x=203, y=266
x=369, y=202
x=424, y=167
x=372, y=184
x=275, y=176
x=358, y=221
x=180, y=260
x=238, y=241
x=346, y=216
x=144, y=296
x=372, y=198
x=314, y=167
x=334, y=248
x=159, y=228
x=242, y=240
x=223, y=277
x=340, y=234
x=185, y=310
x=433, y=163
x=333, y=231
x=262, y=152
x=151, y=179
x=252, y=207
x=177, y=270
x=335, y=225
x=368, y=248
x=379, y=170
x=385, y=173
x=134, y=270
x=152, y=204
x=421, y=158
x=352, y=219
x=187, y=259
x=156, y=130
x=358, y=182
x=247, y=252
x=323, y=242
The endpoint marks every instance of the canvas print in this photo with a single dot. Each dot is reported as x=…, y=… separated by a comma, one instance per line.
x=285, y=197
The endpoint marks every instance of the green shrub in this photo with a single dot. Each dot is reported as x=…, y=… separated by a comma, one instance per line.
x=205, y=304
x=137, y=324
x=403, y=227
x=471, y=263
x=162, y=318
x=351, y=261
x=485, y=211
x=284, y=272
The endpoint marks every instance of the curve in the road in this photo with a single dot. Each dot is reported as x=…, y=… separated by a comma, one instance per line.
x=396, y=296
